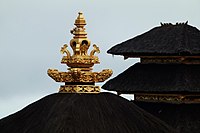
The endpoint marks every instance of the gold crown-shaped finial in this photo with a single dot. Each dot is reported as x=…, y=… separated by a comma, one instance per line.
x=80, y=45
x=80, y=78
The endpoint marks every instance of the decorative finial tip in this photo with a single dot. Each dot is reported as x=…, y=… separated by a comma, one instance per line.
x=80, y=20
x=80, y=13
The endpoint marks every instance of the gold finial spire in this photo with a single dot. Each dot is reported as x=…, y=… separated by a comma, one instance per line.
x=80, y=45
x=80, y=78
x=79, y=30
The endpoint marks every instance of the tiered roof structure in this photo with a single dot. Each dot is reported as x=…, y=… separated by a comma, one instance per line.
x=167, y=76
x=169, y=66
x=178, y=83
x=79, y=107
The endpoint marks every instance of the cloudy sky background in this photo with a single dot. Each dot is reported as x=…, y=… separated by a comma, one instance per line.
x=32, y=32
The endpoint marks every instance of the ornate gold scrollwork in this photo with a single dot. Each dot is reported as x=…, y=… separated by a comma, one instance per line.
x=80, y=63
x=80, y=89
x=79, y=76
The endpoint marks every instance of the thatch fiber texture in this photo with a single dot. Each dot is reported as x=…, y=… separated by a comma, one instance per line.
x=161, y=78
x=166, y=40
x=82, y=113
x=184, y=117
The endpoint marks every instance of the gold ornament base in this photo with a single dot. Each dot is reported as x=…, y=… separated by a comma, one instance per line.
x=79, y=89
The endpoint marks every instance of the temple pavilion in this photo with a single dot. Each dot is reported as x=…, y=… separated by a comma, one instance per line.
x=80, y=107
x=166, y=81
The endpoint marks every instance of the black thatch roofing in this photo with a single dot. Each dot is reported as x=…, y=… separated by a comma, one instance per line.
x=176, y=40
x=82, y=113
x=157, y=78
x=184, y=117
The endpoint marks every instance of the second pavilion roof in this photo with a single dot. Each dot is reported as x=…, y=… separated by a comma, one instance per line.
x=157, y=78
x=180, y=39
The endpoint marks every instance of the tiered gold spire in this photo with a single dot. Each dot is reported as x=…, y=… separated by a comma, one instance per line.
x=79, y=78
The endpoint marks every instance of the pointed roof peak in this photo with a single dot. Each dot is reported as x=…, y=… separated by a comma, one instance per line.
x=177, y=23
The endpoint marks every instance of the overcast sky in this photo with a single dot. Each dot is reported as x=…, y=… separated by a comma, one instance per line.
x=32, y=32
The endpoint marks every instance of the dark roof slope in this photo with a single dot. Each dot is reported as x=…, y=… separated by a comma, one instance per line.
x=184, y=117
x=82, y=113
x=156, y=78
x=179, y=39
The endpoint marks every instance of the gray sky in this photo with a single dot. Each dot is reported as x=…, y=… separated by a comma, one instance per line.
x=32, y=32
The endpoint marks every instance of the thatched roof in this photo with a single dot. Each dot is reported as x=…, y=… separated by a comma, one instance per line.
x=168, y=39
x=157, y=78
x=184, y=117
x=82, y=113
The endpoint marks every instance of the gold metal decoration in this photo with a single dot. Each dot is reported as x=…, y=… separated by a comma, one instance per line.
x=168, y=98
x=79, y=78
x=170, y=59
x=80, y=89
